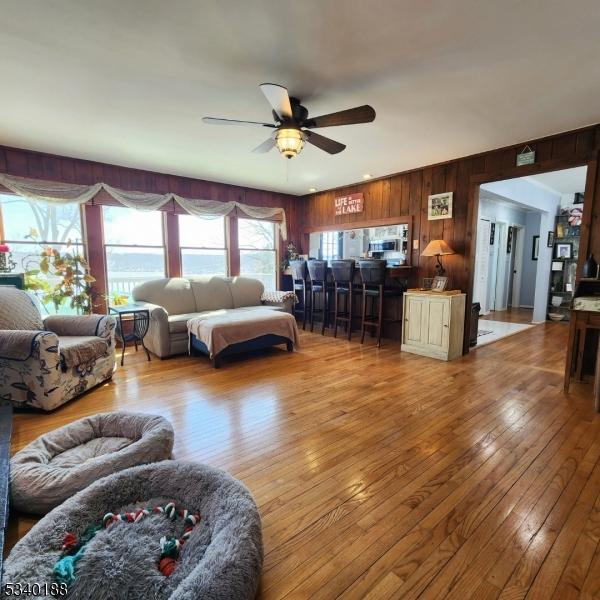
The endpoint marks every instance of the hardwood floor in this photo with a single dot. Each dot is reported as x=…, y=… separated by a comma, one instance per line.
x=381, y=474
x=510, y=315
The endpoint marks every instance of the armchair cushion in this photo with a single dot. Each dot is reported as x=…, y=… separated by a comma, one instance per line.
x=18, y=344
x=76, y=350
x=17, y=310
x=74, y=325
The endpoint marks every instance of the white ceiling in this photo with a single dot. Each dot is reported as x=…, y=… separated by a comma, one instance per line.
x=127, y=81
x=567, y=181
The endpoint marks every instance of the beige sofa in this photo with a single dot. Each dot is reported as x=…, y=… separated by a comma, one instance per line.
x=173, y=301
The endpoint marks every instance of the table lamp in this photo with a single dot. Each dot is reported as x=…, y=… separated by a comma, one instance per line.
x=438, y=248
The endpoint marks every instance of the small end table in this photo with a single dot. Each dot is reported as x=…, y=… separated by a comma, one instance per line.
x=141, y=322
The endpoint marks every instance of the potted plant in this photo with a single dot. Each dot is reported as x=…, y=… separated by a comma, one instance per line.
x=59, y=278
x=291, y=253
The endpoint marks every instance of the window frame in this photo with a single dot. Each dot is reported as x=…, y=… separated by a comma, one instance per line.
x=163, y=236
x=275, y=249
x=226, y=249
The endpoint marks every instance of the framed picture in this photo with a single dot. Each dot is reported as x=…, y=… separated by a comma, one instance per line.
x=563, y=251
x=509, y=239
x=439, y=206
x=427, y=282
x=578, y=198
x=535, y=248
x=439, y=284
x=550, y=239
x=557, y=265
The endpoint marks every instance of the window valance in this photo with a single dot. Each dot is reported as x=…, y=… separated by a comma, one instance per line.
x=65, y=193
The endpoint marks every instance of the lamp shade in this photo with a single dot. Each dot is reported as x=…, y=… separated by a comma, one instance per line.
x=437, y=248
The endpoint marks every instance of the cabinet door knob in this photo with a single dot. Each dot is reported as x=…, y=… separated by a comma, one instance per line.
x=445, y=325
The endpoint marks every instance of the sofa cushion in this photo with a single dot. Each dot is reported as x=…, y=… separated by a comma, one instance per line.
x=78, y=350
x=174, y=294
x=246, y=291
x=17, y=310
x=211, y=292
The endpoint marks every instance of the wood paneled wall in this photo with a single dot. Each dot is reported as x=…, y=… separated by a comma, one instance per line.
x=406, y=194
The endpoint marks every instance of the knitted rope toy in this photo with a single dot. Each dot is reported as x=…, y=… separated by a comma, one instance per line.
x=73, y=549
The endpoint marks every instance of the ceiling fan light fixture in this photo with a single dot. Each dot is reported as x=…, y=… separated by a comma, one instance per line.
x=289, y=141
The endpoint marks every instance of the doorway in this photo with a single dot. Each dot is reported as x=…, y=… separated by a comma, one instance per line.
x=520, y=223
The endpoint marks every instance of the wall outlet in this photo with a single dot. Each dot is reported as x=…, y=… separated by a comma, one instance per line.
x=415, y=244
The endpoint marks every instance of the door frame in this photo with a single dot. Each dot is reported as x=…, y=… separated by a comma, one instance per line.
x=475, y=181
x=518, y=264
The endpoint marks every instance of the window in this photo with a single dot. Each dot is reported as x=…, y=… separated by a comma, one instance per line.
x=330, y=245
x=134, y=246
x=258, y=257
x=27, y=226
x=202, y=243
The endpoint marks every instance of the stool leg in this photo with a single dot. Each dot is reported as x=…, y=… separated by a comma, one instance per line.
x=597, y=379
x=364, y=315
x=304, y=310
x=380, y=316
x=349, y=306
x=335, y=310
x=312, y=310
x=325, y=309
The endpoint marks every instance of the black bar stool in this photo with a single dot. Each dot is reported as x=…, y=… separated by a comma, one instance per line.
x=301, y=287
x=317, y=269
x=343, y=286
x=372, y=273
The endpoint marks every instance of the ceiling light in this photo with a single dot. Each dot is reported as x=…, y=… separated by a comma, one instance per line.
x=311, y=190
x=367, y=176
x=289, y=141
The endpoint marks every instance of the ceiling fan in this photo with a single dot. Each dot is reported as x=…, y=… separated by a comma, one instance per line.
x=293, y=126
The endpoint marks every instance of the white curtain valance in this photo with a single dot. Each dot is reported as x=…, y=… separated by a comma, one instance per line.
x=67, y=193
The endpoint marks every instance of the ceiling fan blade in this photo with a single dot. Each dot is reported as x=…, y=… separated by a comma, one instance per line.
x=324, y=143
x=265, y=146
x=360, y=114
x=214, y=121
x=279, y=99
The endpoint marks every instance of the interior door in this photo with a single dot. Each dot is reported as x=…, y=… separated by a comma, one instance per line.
x=482, y=264
x=515, y=299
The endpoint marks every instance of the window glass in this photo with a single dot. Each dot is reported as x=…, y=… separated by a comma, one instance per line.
x=30, y=229
x=258, y=257
x=134, y=246
x=202, y=243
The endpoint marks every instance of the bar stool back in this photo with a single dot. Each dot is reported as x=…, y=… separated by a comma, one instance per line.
x=317, y=269
x=301, y=287
x=343, y=278
x=372, y=273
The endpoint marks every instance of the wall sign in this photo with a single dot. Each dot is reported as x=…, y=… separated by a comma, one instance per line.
x=350, y=204
x=525, y=157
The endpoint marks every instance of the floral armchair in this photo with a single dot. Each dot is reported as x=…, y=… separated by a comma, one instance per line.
x=45, y=364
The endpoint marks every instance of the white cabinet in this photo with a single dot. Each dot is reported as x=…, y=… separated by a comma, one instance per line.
x=433, y=324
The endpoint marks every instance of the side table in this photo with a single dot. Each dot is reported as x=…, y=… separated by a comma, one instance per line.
x=141, y=322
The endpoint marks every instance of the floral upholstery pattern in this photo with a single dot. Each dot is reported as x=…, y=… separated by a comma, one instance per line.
x=42, y=379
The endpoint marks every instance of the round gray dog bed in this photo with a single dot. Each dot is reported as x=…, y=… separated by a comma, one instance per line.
x=59, y=464
x=221, y=559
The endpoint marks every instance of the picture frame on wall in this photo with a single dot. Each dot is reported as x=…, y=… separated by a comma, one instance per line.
x=563, y=251
x=439, y=206
x=509, y=240
x=550, y=239
x=439, y=284
x=535, y=247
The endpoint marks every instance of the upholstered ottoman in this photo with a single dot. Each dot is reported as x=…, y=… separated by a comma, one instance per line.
x=171, y=530
x=62, y=462
x=222, y=333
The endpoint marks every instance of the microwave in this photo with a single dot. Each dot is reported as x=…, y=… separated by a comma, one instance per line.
x=383, y=245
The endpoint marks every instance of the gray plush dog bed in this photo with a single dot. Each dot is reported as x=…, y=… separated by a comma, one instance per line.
x=60, y=463
x=221, y=559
